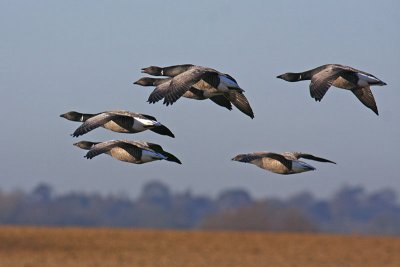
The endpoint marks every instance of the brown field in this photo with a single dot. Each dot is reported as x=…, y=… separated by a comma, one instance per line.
x=50, y=247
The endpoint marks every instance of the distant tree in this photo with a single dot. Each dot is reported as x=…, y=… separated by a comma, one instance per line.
x=156, y=193
x=350, y=210
x=233, y=199
x=42, y=192
x=348, y=203
x=11, y=205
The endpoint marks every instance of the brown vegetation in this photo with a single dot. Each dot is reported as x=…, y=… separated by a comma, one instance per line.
x=48, y=247
x=260, y=217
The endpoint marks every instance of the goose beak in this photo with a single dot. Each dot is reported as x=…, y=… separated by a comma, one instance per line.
x=279, y=76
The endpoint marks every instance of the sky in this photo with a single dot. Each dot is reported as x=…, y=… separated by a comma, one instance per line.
x=58, y=56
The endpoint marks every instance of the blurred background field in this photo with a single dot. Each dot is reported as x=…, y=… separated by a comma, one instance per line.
x=50, y=247
x=351, y=209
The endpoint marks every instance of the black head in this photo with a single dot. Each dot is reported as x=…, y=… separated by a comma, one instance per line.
x=290, y=77
x=85, y=144
x=145, y=81
x=153, y=70
x=72, y=116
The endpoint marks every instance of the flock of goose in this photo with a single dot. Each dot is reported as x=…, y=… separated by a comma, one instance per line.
x=201, y=83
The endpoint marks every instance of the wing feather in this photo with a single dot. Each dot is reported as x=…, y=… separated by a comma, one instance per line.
x=298, y=155
x=105, y=147
x=94, y=122
x=366, y=97
x=239, y=100
x=321, y=81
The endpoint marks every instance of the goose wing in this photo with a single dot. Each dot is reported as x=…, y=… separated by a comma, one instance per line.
x=239, y=100
x=221, y=101
x=297, y=155
x=366, y=97
x=282, y=159
x=155, y=148
x=159, y=92
x=163, y=130
x=149, y=146
x=321, y=81
x=248, y=158
x=97, y=121
x=173, y=90
x=145, y=116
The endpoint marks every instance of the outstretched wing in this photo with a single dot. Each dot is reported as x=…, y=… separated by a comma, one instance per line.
x=240, y=101
x=298, y=155
x=282, y=159
x=145, y=116
x=321, y=81
x=105, y=147
x=97, y=121
x=159, y=93
x=221, y=101
x=247, y=158
x=366, y=97
x=181, y=83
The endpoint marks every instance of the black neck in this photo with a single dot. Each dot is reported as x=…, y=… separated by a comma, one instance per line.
x=306, y=75
x=85, y=116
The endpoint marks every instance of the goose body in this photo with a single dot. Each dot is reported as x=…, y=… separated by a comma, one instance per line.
x=340, y=76
x=193, y=93
x=284, y=163
x=137, y=152
x=118, y=121
x=198, y=82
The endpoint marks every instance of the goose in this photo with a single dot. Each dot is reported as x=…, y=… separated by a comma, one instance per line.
x=120, y=121
x=210, y=81
x=340, y=76
x=284, y=163
x=192, y=93
x=137, y=152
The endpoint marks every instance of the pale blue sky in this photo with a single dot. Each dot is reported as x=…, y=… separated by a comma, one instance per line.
x=57, y=56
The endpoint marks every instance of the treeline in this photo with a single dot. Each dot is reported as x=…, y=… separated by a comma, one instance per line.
x=350, y=210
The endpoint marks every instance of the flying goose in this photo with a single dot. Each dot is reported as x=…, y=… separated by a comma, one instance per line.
x=210, y=81
x=340, y=76
x=192, y=93
x=284, y=163
x=118, y=121
x=137, y=152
